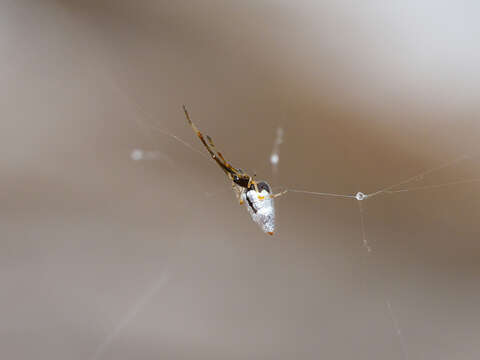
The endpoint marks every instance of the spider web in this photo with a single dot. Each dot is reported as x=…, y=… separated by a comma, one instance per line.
x=362, y=198
x=403, y=186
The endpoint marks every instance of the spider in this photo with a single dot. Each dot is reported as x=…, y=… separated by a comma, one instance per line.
x=257, y=196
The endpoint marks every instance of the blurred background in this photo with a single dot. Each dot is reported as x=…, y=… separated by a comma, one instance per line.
x=105, y=257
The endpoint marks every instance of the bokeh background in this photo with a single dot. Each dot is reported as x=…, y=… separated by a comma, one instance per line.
x=104, y=257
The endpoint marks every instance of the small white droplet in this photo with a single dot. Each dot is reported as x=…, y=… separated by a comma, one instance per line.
x=137, y=154
x=274, y=159
x=360, y=196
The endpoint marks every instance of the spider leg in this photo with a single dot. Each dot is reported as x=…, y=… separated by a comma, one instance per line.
x=197, y=131
x=212, y=145
x=273, y=196
x=219, y=154
x=226, y=167
x=238, y=193
x=255, y=185
x=237, y=190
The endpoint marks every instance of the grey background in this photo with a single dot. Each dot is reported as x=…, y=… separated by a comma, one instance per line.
x=103, y=257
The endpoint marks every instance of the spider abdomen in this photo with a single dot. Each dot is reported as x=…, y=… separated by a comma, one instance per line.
x=261, y=208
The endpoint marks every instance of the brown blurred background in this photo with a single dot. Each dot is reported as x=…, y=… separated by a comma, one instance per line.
x=103, y=257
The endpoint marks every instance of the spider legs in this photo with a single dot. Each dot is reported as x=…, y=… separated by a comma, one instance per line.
x=238, y=193
x=218, y=157
x=212, y=146
x=250, y=182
